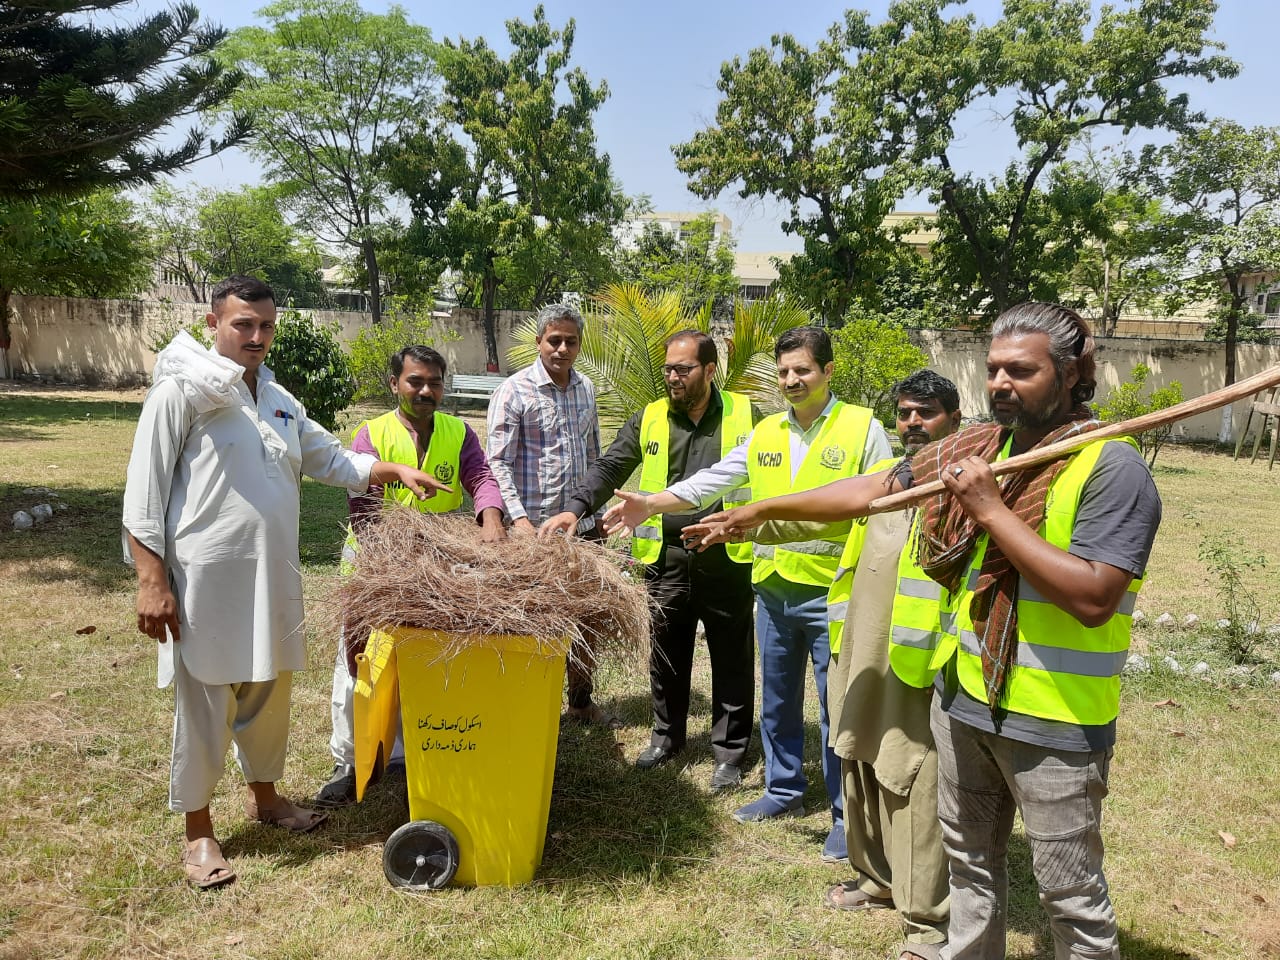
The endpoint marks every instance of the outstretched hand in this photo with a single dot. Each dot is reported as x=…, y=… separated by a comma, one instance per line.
x=627, y=515
x=564, y=523
x=422, y=484
x=727, y=526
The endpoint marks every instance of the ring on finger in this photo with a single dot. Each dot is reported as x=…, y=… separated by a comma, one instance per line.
x=957, y=471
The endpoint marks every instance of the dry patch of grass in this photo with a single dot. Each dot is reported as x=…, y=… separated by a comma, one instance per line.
x=636, y=865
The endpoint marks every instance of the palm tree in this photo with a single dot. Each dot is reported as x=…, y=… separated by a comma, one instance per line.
x=623, y=347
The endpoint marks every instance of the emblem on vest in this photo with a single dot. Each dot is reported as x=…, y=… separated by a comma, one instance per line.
x=833, y=456
x=444, y=472
x=769, y=459
x=651, y=448
x=742, y=438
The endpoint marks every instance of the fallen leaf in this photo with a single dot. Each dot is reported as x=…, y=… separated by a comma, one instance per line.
x=60, y=695
x=1177, y=907
x=115, y=664
x=233, y=939
x=1233, y=707
x=1228, y=840
x=1167, y=703
x=85, y=631
x=1259, y=898
x=1179, y=733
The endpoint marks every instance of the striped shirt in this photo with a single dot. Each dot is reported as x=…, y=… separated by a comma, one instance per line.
x=541, y=441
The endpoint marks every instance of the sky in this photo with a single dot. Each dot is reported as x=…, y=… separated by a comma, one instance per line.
x=662, y=60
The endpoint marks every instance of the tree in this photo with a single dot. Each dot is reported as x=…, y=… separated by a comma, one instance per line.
x=782, y=130
x=330, y=84
x=873, y=112
x=86, y=247
x=1221, y=183
x=871, y=356
x=1126, y=402
x=201, y=235
x=509, y=191
x=81, y=104
x=693, y=264
x=623, y=346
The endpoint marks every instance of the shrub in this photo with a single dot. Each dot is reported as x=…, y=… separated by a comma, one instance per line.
x=308, y=362
x=1240, y=633
x=872, y=354
x=1126, y=402
x=372, y=349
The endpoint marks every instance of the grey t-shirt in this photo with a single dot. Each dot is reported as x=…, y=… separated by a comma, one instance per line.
x=1116, y=524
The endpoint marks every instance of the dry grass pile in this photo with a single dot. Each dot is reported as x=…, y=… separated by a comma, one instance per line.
x=422, y=570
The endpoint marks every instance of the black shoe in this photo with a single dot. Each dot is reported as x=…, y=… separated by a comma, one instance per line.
x=340, y=791
x=652, y=757
x=726, y=776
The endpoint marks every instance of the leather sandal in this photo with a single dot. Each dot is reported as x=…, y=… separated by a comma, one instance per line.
x=204, y=864
x=847, y=896
x=293, y=818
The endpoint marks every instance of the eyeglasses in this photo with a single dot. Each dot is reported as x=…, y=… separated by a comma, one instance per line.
x=681, y=370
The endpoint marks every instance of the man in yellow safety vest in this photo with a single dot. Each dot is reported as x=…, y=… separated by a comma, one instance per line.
x=1043, y=570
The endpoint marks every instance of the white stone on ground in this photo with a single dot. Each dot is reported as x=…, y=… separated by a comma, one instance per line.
x=23, y=520
x=1200, y=669
x=1173, y=665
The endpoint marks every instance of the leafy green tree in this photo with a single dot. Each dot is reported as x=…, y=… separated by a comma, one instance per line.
x=330, y=83
x=872, y=112
x=89, y=246
x=1221, y=186
x=509, y=191
x=623, y=346
x=371, y=351
x=871, y=356
x=82, y=103
x=1126, y=402
x=200, y=236
x=783, y=130
x=696, y=266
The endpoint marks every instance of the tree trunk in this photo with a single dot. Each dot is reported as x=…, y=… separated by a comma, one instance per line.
x=489, y=293
x=375, y=280
x=6, y=371
x=1233, y=328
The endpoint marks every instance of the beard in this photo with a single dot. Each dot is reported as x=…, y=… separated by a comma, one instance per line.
x=1028, y=417
x=914, y=440
x=692, y=395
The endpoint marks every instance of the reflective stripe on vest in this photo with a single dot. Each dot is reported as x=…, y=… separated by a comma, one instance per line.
x=918, y=645
x=1062, y=670
x=394, y=444
x=842, y=582
x=835, y=453
x=655, y=449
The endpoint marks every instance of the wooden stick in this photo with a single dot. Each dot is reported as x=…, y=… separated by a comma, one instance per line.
x=1056, y=451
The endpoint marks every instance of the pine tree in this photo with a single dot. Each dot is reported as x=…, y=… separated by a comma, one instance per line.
x=82, y=102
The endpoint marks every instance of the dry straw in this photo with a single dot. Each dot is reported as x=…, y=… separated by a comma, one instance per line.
x=423, y=570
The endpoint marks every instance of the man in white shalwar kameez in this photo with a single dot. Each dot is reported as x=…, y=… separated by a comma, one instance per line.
x=211, y=522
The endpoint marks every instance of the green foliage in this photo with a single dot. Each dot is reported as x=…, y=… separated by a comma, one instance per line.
x=509, y=190
x=373, y=347
x=871, y=356
x=1126, y=402
x=1240, y=608
x=623, y=347
x=198, y=329
x=82, y=103
x=308, y=362
x=842, y=132
x=199, y=236
x=330, y=84
x=697, y=267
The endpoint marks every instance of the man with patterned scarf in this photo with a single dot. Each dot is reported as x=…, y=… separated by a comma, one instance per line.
x=1042, y=569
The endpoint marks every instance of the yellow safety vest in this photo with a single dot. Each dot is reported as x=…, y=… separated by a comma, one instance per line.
x=836, y=453
x=391, y=438
x=842, y=584
x=1062, y=669
x=655, y=449
x=922, y=628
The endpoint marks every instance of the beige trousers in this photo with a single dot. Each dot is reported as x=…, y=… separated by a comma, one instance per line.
x=208, y=718
x=895, y=844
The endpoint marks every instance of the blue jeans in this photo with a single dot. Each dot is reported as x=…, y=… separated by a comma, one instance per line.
x=791, y=628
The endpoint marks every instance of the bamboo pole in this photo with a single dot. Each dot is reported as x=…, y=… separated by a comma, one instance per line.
x=1056, y=451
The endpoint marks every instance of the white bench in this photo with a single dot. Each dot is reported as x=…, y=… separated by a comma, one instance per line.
x=473, y=386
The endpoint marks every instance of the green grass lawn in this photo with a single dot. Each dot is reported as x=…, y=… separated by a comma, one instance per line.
x=636, y=864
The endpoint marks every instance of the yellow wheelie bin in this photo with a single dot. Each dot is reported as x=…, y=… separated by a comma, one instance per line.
x=480, y=719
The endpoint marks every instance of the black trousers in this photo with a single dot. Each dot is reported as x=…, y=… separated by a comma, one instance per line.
x=711, y=588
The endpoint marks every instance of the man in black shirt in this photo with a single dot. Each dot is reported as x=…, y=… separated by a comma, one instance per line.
x=693, y=427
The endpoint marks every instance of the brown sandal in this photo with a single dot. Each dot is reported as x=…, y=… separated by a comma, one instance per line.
x=285, y=814
x=847, y=896
x=205, y=866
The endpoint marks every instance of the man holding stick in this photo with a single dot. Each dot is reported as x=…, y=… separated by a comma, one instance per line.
x=1043, y=571
x=211, y=508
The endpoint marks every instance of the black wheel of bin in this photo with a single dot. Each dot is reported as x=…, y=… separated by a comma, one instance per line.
x=421, y=855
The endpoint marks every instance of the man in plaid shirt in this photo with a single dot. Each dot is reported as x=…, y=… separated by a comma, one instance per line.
x=543, y=435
